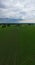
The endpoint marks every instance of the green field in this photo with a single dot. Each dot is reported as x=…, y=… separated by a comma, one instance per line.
x=17, y=45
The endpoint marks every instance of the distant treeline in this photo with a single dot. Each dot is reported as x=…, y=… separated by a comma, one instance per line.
x=4, y=25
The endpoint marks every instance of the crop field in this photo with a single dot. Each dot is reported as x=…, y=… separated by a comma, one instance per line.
x=17, y=45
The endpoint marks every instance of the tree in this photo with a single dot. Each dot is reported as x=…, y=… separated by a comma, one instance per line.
x=3, y=26
x=8, y=25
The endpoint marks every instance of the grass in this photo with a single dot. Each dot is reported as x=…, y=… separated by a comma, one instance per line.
x=17, y=45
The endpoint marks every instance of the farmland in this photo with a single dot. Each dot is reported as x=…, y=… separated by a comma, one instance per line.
x=17, y=45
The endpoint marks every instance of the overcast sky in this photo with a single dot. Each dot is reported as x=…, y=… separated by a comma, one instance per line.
x=23, y=9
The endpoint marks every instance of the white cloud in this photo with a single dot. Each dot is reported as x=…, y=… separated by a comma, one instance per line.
x=17, y=8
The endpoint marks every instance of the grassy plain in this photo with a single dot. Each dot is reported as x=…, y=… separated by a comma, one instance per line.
x=17, y=45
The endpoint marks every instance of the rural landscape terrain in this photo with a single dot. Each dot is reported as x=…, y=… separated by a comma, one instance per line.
x=17, y=44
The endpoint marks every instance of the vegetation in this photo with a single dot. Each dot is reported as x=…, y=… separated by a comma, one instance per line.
x=8, y=25
x=17, y=45
x=3, y=25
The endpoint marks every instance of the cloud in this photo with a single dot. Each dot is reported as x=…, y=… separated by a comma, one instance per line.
x=28, y=21
x=23, y=9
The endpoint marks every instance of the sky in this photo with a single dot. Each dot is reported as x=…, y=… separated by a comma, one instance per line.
x=24, y=9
